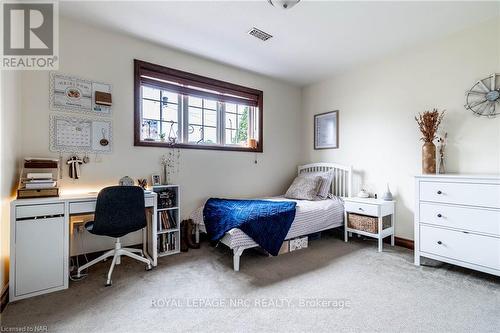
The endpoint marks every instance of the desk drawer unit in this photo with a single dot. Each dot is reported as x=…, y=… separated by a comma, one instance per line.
x=39, y=210
x=149, y=201
x=457, y=220
x=39, y=263
x=82, y=207
x=39, y=242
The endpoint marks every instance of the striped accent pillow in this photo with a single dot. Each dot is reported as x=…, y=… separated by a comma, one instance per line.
x=326, y=179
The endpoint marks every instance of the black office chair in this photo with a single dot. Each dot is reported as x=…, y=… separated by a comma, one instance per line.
x=119, y=210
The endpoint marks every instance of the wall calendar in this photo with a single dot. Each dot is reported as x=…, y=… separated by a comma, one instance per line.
x=77, y=134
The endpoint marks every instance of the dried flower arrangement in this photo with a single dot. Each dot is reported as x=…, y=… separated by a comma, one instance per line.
x=170, y=163
x=428, y=123
x=441, y=150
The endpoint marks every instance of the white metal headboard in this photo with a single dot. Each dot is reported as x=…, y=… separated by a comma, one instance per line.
x=342, y=176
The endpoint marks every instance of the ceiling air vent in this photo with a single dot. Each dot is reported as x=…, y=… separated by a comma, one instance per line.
x=257, y=33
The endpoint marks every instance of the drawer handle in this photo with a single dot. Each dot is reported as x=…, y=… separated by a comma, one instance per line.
x=439, y=192
x=439, y=242
x=439, y=215
x=361, y=209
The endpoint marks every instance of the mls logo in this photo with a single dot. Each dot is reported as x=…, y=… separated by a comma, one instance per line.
x=29, y=35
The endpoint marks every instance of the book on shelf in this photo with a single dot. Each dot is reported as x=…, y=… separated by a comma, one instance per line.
x=167, y=242
x=173, y=242
x=167, y=220
x=171, y=218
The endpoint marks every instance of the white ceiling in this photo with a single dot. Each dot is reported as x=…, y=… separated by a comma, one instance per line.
x=311, y=41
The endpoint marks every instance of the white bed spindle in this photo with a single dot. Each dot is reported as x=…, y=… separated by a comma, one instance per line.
x=342, y=176
x=341, y=181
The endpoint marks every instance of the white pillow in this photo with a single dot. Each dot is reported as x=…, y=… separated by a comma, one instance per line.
x=304, y=188
x=325, y=184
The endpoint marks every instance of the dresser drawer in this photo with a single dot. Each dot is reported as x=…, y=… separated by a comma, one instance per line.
x=361, y=208
x=467, y=247
x=466, y=218
x=483, y=195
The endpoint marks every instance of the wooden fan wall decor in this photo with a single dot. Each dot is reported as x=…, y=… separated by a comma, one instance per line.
x=483, y=99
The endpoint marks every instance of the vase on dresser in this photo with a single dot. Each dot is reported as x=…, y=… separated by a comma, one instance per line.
x=428, y=158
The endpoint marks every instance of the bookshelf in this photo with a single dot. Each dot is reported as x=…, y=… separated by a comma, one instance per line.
x=167, y=234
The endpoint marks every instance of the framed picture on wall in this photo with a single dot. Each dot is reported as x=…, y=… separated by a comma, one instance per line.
x=326, y=130
x=155, y=180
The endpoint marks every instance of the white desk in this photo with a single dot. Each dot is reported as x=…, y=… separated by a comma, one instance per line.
x=39, y=241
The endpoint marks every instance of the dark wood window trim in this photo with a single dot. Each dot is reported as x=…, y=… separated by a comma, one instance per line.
x=231, y=93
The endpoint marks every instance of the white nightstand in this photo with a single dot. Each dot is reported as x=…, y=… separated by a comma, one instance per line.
x=370, y=207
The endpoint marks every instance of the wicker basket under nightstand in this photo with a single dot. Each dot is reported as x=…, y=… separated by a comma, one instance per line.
x=369, y=217
x=367, y=223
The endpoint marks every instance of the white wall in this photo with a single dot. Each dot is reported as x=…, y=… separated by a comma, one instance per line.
x=105, y=56
x=377, y=103
x=10, y=133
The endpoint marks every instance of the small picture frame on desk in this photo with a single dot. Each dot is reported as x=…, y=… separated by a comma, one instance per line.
x=155, y=180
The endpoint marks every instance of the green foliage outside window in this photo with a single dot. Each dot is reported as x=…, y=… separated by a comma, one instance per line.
x=242, y=131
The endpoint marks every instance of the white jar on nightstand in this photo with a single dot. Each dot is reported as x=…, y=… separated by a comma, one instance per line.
x=366, y=216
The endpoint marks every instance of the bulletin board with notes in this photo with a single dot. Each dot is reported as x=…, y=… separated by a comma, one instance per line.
x=73, y=94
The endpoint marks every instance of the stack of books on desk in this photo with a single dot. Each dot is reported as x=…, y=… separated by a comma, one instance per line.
x=39, y=178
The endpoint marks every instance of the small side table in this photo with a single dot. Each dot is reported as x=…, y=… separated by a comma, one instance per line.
x=370, y=207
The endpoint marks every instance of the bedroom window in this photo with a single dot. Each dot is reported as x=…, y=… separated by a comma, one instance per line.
x=180, y=109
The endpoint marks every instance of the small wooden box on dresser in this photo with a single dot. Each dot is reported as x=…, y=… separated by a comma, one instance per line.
x=457, y=220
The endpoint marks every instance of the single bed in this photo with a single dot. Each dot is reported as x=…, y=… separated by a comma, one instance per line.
x=310, y=217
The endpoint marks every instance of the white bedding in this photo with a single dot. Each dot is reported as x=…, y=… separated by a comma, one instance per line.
x=310, y=217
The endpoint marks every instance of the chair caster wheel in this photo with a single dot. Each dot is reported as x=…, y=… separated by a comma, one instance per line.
x=78, y=278
x=108, y=284
x=148, y=268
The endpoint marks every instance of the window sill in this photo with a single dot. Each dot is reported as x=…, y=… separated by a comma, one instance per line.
x=195, y=146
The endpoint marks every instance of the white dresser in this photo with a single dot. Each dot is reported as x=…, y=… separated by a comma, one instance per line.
x=457, y=220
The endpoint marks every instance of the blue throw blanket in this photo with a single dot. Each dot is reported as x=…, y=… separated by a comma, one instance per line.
x=266, y=222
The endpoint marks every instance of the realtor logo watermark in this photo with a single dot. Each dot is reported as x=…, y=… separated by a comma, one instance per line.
x=30, y=35
x=246, y=303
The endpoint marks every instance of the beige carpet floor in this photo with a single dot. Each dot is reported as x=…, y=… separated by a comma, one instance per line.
x=332, y=286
